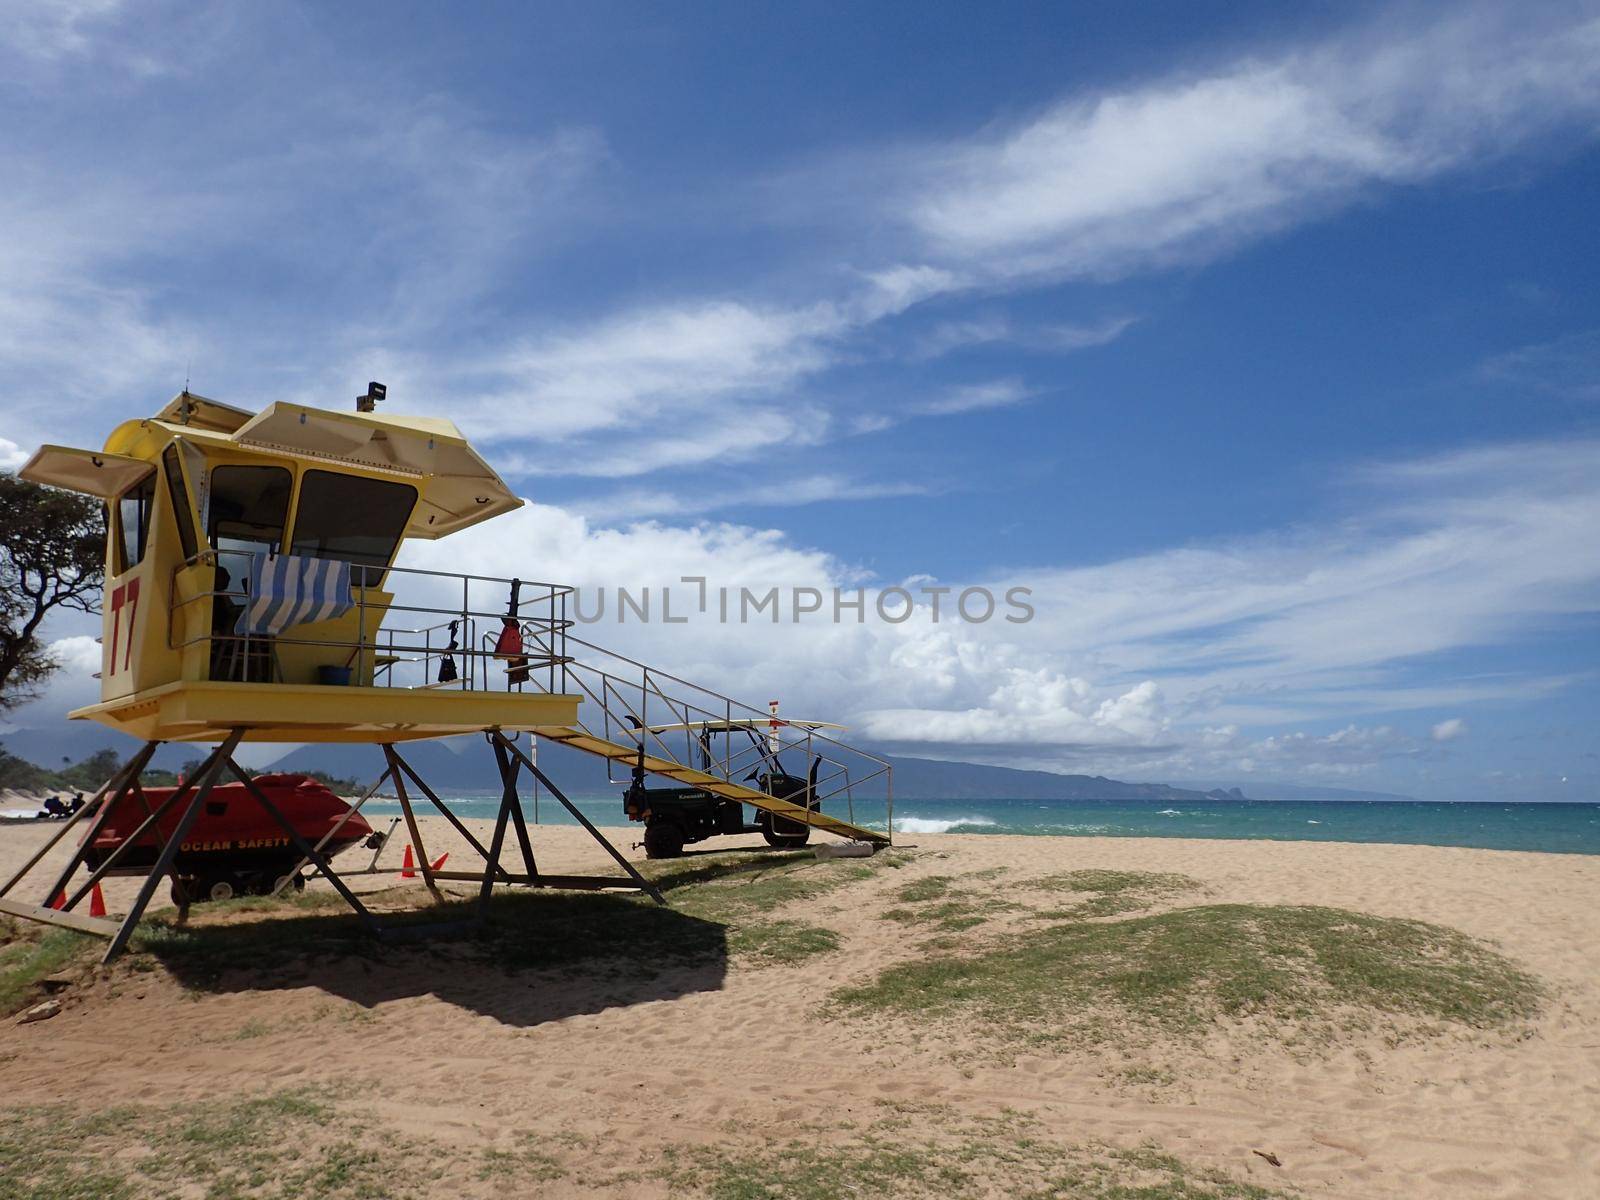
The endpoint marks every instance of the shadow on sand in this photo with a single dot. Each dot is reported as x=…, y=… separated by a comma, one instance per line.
x=538, y=956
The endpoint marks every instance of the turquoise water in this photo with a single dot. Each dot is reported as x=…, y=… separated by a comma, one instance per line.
x=1561, y=828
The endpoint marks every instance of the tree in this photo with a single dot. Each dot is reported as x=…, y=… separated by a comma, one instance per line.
x=52, y=555
x=22, y=775
x=92, y=771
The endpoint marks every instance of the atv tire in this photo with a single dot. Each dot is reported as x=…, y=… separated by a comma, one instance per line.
x=663, y=839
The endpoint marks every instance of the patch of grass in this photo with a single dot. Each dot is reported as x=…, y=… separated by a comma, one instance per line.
x=781, y=942
x=930, y=887
x=943, y=903
x=28, y=953
x=1147, y=1076
x=279, y=1146
x=974, y=1157
x=1186, y=968
x=1111, y=893
x=310, y=900
x=523, y=1164
x=730, y=897
x=669, y=873
x=1107, y=882
x=951, y=916
x=740, y=894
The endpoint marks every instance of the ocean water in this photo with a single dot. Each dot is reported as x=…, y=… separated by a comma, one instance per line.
x=1560, y=828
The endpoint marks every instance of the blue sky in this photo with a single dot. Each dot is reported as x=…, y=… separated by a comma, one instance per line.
x=1261, y=341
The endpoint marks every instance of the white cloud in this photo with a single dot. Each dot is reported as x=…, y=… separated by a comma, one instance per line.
x=992, y=328
x=1352, y=750
x=53, y=29
x=1031, y=707
x=768, y=493
x=12, y=456
x=1162, y=662
x=1568, y=368
x=635, y=367
x=997, y=393
x=1188, y=167
x=1449, y=731
x=73, y=685
x=945, y=402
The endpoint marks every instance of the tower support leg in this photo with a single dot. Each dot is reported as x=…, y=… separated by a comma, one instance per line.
x=411, y=824
x=304, y=847
x=152, y=817
x=455, y=821
x=642, y=883
x=508, y=801
x=508, y=776
x=322, y=843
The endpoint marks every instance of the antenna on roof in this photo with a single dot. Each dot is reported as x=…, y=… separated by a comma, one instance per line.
x=369, y=402
x=186, y=405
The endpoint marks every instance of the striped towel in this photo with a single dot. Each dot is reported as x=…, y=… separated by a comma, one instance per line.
x=292, y=589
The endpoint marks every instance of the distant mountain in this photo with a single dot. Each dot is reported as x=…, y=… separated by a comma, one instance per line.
x=1295, y=791
x=465, y=765
x=455, y=766
x=74, y=741
x=933, y=779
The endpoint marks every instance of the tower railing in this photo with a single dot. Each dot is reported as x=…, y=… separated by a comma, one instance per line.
x=407, y=622
x=398, y=632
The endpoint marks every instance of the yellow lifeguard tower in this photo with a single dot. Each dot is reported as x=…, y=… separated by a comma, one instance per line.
x=251, y=594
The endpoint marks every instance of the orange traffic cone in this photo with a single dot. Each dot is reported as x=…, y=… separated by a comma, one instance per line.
x=408, y=865
x=440, y=863
x=60, y=901
x=97, y=902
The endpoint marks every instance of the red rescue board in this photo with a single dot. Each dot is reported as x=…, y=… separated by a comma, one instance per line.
x=234, y=840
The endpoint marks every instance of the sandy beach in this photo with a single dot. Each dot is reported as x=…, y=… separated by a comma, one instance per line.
x=619, y=1074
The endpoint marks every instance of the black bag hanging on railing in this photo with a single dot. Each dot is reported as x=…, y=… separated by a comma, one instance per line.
x=447, y=664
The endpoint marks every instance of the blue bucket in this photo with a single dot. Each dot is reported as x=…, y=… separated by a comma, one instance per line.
x=333, y=676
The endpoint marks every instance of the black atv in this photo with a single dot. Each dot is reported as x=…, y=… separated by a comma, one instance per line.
x=675, y=817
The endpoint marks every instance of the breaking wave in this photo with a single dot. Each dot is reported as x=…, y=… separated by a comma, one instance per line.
x=939, y=824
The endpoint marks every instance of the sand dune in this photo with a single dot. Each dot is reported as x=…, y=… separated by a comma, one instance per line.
x=611, y=1068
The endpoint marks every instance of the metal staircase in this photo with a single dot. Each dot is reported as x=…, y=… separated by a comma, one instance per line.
x=627, y=703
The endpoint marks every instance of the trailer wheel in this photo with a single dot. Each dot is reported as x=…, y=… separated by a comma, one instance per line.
x=219, y=887
x=663, y=839
x=783, y=833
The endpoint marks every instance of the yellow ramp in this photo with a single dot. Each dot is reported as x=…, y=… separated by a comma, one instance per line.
x=580, y=739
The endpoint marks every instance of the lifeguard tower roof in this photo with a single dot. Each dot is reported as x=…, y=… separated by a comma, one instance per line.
x=461, y=488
